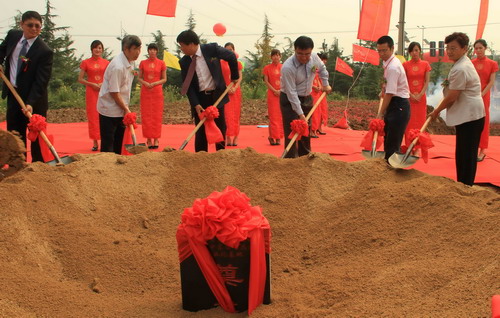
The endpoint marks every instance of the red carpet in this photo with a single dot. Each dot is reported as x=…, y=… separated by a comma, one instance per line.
x=340, y=144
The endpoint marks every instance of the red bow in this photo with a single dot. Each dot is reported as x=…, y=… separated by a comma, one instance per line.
x=300, y=127
x=37, y=123
x=212, y=132
x=424, y=143
x=130, y=119
x=374, y=125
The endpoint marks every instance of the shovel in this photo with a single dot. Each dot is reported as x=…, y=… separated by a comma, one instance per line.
x=135, y=148
x=191, y=134
x=400, y=160
x=290, y=144
x=368, y=154
x=58, y=160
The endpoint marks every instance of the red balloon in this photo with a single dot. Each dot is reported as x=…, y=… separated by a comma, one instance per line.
x=219, y=29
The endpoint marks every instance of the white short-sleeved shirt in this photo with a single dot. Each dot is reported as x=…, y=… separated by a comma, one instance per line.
x=118, y=78
x=469, y=105
x=395, y=77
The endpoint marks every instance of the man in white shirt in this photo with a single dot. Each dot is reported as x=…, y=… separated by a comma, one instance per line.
x=114, y=96
x=396, y=105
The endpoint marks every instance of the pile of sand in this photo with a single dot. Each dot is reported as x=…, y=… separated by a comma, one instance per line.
x=97, y=237
x=12, y=151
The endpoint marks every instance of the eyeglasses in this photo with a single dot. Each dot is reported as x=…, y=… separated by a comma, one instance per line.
x=35, y=25
x=303, y=54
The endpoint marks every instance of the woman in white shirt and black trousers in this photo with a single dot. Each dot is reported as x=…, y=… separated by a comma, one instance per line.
x=464, y=106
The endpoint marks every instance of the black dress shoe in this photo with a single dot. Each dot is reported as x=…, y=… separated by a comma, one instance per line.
x=314, y=136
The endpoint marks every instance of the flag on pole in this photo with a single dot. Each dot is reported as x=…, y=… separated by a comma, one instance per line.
x=365, y=55
x=171, y=60
x=374, y=19
x=343, y=67
x=483, y=15
x=164, y=8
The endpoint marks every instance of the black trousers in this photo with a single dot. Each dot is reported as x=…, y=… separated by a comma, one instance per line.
x=303, y=146
x=396, y=119
x=112, y=130
x=17, y=121
x=200, y=140
x=467, y=145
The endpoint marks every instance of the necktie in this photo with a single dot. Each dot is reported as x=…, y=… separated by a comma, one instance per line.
x=24, y=49
x=189, y=76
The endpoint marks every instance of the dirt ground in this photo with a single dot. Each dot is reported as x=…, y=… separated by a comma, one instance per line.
x=254, y=112
x=96, y=238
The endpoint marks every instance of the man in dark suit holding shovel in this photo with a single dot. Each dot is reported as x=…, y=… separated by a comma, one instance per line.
x=28, y=66
x=203, y=82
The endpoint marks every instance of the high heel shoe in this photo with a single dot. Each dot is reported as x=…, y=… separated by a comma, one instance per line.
x=271, y=141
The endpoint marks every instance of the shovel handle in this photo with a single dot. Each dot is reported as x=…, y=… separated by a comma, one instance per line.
x=424, y=127
x=29, y=115
x=289, y=146
x=375, y=134
x=132, y=134
x=191, y=134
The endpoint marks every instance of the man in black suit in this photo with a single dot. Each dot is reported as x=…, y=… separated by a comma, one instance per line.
x=204, y=84
x=28, y=65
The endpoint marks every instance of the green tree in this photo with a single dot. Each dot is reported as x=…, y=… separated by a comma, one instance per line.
x=65, y=65
x=252, y=74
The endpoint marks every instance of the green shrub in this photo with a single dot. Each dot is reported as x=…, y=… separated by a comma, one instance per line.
x=67, y=97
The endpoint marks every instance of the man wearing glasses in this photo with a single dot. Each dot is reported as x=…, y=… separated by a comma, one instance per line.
x=297, y=75
x=28, y=66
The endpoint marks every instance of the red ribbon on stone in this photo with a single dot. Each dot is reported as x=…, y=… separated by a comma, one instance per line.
x=300, y=127
x=212, y=132
x=37, y=124
x=374, y=125
x=229, y=217
x=424, y=143
x=130, y=119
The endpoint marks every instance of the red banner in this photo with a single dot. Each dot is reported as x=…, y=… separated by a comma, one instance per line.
x=374, y=19
x=365, y=55
x=483, y=15
x=164, y=8
x=343, y=67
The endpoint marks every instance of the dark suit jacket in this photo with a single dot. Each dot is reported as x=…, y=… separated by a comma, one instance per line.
x=212, y=53
x=33, y=79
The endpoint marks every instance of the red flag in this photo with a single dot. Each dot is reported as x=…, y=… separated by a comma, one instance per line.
x=365, y=55
x=164, y=8
x=343, y=67
x=374, y=19
x=483, y=15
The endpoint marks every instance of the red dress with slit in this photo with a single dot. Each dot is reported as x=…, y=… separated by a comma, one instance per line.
x=485, y=67
x=94, y=68
x=232, y=110
x=319, y=115
x=273, y=73
x=415, y=73
x=152, y=98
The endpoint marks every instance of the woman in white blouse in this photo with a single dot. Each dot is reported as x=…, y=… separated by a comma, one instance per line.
x=464, y=105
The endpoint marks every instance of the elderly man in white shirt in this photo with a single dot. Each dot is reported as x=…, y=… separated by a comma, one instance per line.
x=465, y=107
x=396, y=93
x=114, y=96
x=297, y=76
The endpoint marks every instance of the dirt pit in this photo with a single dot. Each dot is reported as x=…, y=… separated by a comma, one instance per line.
x=97, y=237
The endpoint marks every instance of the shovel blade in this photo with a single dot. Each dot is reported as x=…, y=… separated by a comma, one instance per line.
x=64, y=161
x=401, y=160
x=368, y=154
x=136, y=149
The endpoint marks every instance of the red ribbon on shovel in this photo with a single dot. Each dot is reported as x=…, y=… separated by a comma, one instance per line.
x=212, y=132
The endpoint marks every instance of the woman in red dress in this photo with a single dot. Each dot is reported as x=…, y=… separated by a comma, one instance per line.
x=91, y=75
x=320, y=115
x=486, y=69
x=272, y=75
x=152, y=76
x=232, y=110
x=418, y=75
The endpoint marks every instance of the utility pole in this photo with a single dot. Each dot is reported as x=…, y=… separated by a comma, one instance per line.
x=423, y=30
x=401, y=35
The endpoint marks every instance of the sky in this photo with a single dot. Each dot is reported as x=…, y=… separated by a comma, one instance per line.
x=244, y=20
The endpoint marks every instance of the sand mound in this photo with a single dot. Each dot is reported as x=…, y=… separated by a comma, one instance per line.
x=97, y=237
x=11, y=154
